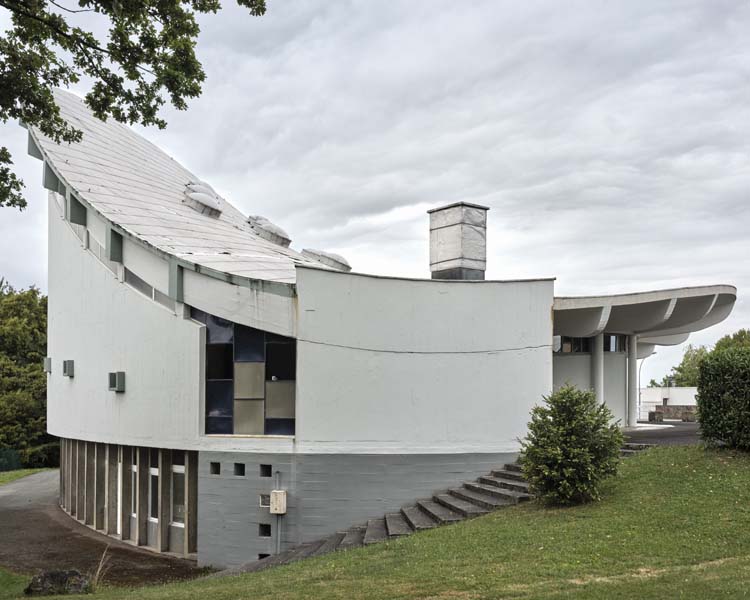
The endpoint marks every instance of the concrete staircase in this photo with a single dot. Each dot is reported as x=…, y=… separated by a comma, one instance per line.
x=504, y=487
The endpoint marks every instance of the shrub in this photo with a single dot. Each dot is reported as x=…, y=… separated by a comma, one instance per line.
x=572, y=446
x=38, y=457
x=724, y=398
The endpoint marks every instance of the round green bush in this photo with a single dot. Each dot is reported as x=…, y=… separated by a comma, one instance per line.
x=724, y=398
x=572, y=446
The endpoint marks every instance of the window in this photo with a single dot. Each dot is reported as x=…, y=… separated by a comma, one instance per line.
x=153, y=494
x=264, y=529
x=239, y=469
x=178, y=494
x=262, y=556
x=134, y=483
x=219, y=358
x=575, y=345
x=264, y=500
x=137, y=283
x=266, y=471
x=215, y=468
x=615, y=343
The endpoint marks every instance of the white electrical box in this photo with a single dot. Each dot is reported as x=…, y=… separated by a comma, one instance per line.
x=278, y=502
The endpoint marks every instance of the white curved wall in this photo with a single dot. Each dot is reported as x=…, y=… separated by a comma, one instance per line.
x=394, y=365
x=104, y=325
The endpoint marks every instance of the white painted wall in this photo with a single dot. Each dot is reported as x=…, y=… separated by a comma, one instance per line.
x=393, y=365
x=573, y=369
x=675, y=396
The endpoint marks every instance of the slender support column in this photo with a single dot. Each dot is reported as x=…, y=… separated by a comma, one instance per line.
x=70, y=468
x=61, y=478
x=110, y=500
x=597, y=367
x=90, y=483
x=191, y=502
x=165, y=499
x=632, y=380
x=142, y=497
x=80, y=479
x=126, y=507
x=100, y=486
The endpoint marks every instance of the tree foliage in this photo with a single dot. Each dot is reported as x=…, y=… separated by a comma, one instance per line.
x=572, y=446
x=686, y=373
x=147, y=59
x=23, y=385
x=724, y=396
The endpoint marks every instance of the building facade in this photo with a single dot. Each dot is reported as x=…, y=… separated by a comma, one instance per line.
x=201, y=371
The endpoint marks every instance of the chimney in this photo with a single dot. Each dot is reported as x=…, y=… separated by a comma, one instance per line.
x=458, y=241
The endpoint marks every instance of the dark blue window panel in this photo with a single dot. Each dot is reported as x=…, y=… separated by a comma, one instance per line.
x=249, y=344
x=275, y=338
x=220, y=331
x=219, y=398
x=219, y=361
x=198, y=315
x=219, y=425
x=281, y=362
x=279, y=426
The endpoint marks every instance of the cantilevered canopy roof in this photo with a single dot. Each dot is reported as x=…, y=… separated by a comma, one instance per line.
x=660, y=318
x=136, y=186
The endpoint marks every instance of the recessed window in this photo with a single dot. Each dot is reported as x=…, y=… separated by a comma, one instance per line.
x=262, y=556
x=264, y=529
x=153, y=495
x=266, y=471
x=264, y=501
x=219, y=361
x=239, y=469
x=215, y=468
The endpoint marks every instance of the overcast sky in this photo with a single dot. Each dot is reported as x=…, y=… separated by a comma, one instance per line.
x=611, y=140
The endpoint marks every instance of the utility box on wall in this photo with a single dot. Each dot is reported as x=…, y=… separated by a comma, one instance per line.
x=278, y=502
x=117, y=381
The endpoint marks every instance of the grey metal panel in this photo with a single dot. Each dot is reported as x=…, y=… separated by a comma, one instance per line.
x=325, y=493
x=248, y=417
x=280, y=399
x=249, y=379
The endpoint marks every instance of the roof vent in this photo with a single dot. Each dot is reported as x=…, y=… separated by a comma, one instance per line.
x=268, y=231
x=329, y=259
x=201, y=197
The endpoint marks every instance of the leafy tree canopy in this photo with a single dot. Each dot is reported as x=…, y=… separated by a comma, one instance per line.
x=686, y=373
x=147, y=58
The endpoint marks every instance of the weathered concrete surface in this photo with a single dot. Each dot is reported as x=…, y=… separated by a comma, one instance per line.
x=37, y=535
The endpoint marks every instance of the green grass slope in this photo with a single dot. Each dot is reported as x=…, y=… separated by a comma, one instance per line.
x=8, y=476
x=675, y=523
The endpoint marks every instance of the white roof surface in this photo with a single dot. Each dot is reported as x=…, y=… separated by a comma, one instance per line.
x=137, y=186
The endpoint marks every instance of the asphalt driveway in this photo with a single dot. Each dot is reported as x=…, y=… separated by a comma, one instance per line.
x=35, y=534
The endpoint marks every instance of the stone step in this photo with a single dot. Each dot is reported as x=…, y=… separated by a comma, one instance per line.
x=418, y=519
x=459, y=505
x=397, y=525
x=478, y=494
x=515, y=467
x=376, y=531
x=624, y=452
x=504, y=474
x=502, y=495
x=330, y=544
x=305, y=550
x=508, y=484
x=353, y=538
x=440, y=513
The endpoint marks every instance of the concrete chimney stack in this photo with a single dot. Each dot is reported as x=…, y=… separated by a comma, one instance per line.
x=458, y=241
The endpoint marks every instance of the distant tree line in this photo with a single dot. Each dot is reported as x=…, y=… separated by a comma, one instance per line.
x=686, y=373
x=24, y=441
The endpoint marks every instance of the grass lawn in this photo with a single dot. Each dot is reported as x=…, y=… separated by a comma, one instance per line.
x=8, y=476
x=674, y=524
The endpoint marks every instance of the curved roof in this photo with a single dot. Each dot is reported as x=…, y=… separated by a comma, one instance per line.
x=135, y=185
x=660, y=318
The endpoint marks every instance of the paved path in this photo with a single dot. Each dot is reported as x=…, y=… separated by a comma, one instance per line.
x=678, y=434
x=36, y=534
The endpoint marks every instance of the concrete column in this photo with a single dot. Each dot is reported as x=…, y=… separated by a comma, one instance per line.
x=90, y=483
x=127, y=491
x=110, y=500
x=191, y=502
x=165, y=499
x=597, y=367
x=80, y=479
x=61, y=476
x=141, y=533
x=69, y=467
x=100, y=485
x=632, y=380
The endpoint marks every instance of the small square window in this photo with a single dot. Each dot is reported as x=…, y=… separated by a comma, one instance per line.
x=264, y=501
x=215, y=468
x=239, y=469
x=266, y=471
x=262, y=556
x=264, y=529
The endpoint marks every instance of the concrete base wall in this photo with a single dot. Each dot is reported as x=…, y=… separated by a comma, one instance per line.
x=325, y=493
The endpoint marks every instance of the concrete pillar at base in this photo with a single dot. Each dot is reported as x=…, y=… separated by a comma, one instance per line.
x=127, y=492
x=597, y=367
x=165, y=500
x=80, y=479
x=90, y=483
x=141, y=534
x=110, y=500
x=100, y=488
x=632, y=380
x=191, y=502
